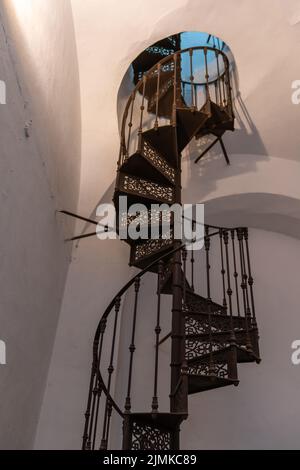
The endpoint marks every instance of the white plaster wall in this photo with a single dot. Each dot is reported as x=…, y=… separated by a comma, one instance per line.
x=110, y=34
x=38, y=175
x=263, y=411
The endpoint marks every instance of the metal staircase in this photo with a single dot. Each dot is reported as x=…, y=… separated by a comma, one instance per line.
x=212, y=313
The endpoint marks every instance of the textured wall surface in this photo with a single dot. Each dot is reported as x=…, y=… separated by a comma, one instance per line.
x=38, y=174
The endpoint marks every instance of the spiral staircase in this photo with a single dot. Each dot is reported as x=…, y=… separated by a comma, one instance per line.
x=209, y=334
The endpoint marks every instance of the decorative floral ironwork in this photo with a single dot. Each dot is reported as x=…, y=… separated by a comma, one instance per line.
x=158, y=162
x=196, y=303
x=153, y=246
x=218, y=369
x=148, y=189
x=147, y=217
x=197, y=348
x=146, y=437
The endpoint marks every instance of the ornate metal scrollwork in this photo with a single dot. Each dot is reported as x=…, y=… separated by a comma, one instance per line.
x=148, y=189
x=146, y=437
x=152, y=246
x=158, y=161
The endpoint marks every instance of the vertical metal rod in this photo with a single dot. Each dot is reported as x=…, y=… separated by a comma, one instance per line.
x=229, y=290
x=97, y=353
x=218, y=79
x=224, y=93
x=207, y=248
x=178, y=384
x=157, y=335
x=196, y=97
x=174, y=114
x=192, y=78
x=107, y=413
x=229, y=88
x=85, y=445
x=130, y=124
x=235, y=274
x=132, y=345
x=206, y=75
x=157, y=96
x=244, y=287
x=142, y=108
x=223, y=272
x=184, y=258
x=216, y=92
x=99, y=393
x=250, y=278
x=192, y=262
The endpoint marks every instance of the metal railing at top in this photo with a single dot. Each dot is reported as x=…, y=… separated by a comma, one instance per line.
x=164, y=88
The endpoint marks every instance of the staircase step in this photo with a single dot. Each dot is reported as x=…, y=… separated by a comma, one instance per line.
x=218, y=122
x=223, y=336
x=202, y=322
x=202, y=383
x=188, y=124
x=143, y=190
x=221, y=356
x=163, y=140
x=144, y=253
x=149, y=163
x=197, y=303
x=165, y=81
x=148, y=431
x=165, y=104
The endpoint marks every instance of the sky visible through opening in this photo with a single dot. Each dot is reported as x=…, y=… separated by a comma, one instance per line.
x=194, y=39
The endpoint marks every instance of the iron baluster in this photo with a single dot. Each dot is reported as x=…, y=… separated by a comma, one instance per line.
x=132, y=345
x=98, y=390
x=229, y=290
x=184, y=258
x=244, y=289
x=174, y=113
x=216, y=92
x=142, y=108
x=250, y=278
x=192, y=80
x=107, y=414
x=223, y=271
x=207, y=248
x=97, y=354
x=192, y=262
x=157, y=335
x=196, y=96
x=130, y=124
x=218, y=79
x=206, y=75
x=235, y=274
x=157, y=95
x=99, y=393
x=224, y=94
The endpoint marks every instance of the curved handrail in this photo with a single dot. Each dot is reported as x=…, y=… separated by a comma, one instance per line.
x=120, y=294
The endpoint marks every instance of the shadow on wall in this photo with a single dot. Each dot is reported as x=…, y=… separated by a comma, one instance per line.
x=245, y=140
x=266, y=211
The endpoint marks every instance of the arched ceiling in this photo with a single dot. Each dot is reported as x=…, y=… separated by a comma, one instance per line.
x=265, y=150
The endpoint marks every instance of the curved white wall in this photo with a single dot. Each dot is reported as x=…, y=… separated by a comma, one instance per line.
x=39, y=175
x=263, y=411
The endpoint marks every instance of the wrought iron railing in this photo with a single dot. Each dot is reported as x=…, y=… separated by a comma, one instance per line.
x=222, y=272
x=165, y=88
